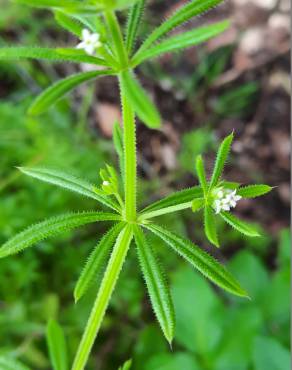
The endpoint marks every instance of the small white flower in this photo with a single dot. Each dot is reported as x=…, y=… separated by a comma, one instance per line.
x=90, y=42
x=225, y=199
x=105, y=183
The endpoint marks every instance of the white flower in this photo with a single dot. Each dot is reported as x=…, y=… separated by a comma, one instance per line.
x=105, y=183
x=225, y=199
x=90, y=42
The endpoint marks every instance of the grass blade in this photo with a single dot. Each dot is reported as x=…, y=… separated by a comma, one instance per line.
x=57, y=346
x=56, y=91
x=104, y=294
x=69, y=182
x=51, y=227
x=96, y=261
x=157, y=287
x=201, y=260
x=239, y=225
x=181, y=41
x=221, y=160
x=140, y=101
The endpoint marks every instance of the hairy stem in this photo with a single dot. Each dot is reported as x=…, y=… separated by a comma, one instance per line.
x=104, y=294
x=164, y=211
x=130, y=157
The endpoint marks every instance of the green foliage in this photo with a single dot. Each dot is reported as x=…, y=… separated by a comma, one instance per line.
x=134, y=19
x=8, y=363
x=127, y=365
x=239, y=225
x=57, y=346
x=201, y=260
x=52, y=227
x=56, y=91
x=156, y=284
x=142, y=104
x=182, y=41
x=210, y=226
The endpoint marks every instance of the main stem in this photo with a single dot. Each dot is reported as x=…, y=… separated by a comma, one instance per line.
x=104, y=294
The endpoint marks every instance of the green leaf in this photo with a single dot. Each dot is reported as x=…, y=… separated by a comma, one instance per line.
x=57, y=346
x=69, y=24
x=198, y=204
x=157, y=287
x=220, y=160
x=96, y=261
x=182, y=15
x=253, y=191
x=69, y=182
x=55, y=55
x=133, y=24
x=270, y=354
x=239, y=225
x=53, y=226
x=200, y=168
x=118, y=143
x=9, y=363
x=56, y=91
x=68, y=6
x=201, y=260
x=142, y=104
x=210, y=226
x=127, y=365
x=185, y=196
x=181, y=41
x=106, y=289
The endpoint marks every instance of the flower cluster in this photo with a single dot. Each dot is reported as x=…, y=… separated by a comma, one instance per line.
x=225, y=199
x=90, y=42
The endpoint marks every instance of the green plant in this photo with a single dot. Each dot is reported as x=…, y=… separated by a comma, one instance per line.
x=104, y=46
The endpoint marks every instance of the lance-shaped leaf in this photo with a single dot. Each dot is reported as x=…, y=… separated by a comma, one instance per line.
x=106, y=289
x=69, y=24
x=56, y=91
x=57, y=55
x=57, y=346
x=96, y=261
x=9, y=363
x=157, y=287
x=140, y=101
x=221, y=160
x=201, y=260
x=68, y=6
x=200, y=168
x=241, y=226
x=182, y=15
x=182, y=41
x=127, y=365
x=179, y=200
x=133, y=23
x=53, y=226
x=210, y=226
x=69, y=182
x=253, y=191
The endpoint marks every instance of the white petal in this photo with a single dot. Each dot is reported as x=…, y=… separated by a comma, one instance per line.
x=237, y=198
x=226, y=207
x=90, y=49
x=94, y=37
x=220, y=194
x=81, y=45
x=85, y=34
x=232, y=204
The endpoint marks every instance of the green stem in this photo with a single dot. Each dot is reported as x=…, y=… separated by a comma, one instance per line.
x=129, y=132
x=164, y=211
x=104, y=294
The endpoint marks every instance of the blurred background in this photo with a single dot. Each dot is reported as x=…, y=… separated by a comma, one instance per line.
x=238, y=81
